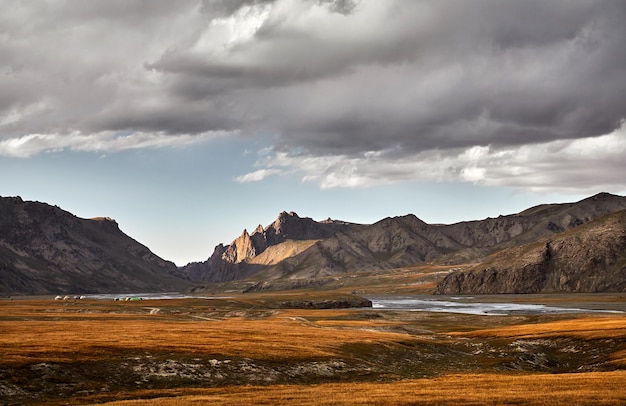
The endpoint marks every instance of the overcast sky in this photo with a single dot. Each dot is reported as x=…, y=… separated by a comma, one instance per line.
x=188, y=121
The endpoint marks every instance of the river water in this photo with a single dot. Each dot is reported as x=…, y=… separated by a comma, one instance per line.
x=489, y=305
x=497, y=305
x=149, y=296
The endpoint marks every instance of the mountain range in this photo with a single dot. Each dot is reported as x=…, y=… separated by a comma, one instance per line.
x=295, y=252
x=572, y=247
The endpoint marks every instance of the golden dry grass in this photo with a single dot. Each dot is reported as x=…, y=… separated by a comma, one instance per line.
x=585, y=328
x=619, y=359
x=47, y=332
x=485, y=389
x=61, y=336
x=273, y=339
x=356, y=323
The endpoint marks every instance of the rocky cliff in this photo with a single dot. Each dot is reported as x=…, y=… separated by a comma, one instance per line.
x=46, y=250
x=589, y=258
x=236, y=260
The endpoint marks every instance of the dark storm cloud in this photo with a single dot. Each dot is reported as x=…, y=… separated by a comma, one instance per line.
x=505, y=89
x=422, y=75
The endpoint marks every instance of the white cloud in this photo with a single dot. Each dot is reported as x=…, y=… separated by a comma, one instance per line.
x=473, y=174
x=256, y=176
x=584, y=165
x=32, y=144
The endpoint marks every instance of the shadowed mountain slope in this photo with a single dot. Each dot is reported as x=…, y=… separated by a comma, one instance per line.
x=45, y=250
x=589, y=258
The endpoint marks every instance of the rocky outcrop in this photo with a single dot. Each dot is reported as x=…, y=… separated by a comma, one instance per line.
x=44, y=249
x=235, y=261
x=589, y=258
x=344, y=302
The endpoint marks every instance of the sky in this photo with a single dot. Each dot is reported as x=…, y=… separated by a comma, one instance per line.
x=189, y=121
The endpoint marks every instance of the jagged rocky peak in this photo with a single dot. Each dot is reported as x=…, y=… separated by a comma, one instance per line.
x=258, y=230
x=219, y=249
x=240, y=249
x=243, y=247
x=230, y=261
x=285, y=218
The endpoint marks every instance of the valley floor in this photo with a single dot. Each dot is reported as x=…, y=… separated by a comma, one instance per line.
x=245, y=349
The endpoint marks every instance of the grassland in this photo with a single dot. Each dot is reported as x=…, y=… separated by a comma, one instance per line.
x=468, y=389
x=245, y=349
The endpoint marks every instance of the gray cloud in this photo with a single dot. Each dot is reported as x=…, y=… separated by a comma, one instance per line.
x=332, y=79
x=225, y=8
x=441, y=75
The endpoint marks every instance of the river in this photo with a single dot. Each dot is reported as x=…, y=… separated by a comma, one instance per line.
x=497, y=305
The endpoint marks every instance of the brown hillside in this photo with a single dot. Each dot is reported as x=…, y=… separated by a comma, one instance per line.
x=46, y=250
x=589, y=258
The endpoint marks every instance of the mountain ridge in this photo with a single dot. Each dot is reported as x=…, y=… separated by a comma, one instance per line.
x=588, y=258
x=395, y=242
x=47, y=250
